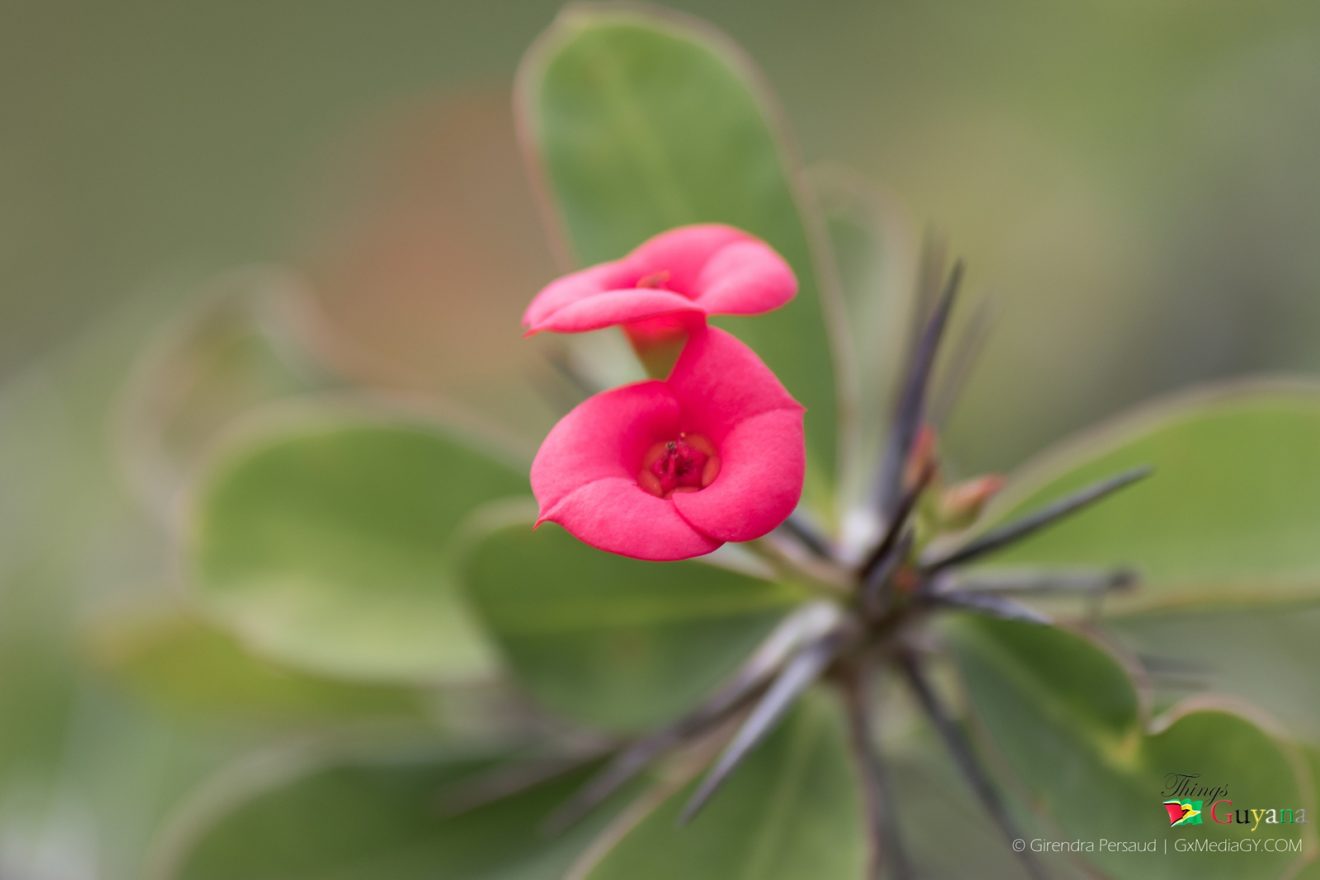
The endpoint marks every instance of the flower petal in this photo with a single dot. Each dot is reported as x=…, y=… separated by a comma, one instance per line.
x=763, y=461
x=683, y=253
x=612, y=307
x=719, y=381
x=745, y=278
x=616, y=515
x=576, y=286
x=706, y=268
x=604, y=436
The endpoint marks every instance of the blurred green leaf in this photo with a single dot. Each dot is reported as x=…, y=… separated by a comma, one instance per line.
x=324, y=541
x=401, y=817
x=38, y=678
x=1228, y=516
x=640, y=122
x=1064, y=717
x=933, y=799
x=84, y=773
x=1312, y=870
x=612, y=641
x=184, y=665
x=236, y=349
x=1266, y=656
x=792, y=810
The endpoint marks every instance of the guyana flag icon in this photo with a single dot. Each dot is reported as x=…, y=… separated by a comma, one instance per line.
x=1183, y=812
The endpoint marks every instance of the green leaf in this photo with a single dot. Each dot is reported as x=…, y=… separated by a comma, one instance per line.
x=1062, y=715
x=239, y=347
x=186, y=666
x=372, y=818
x=606, y=640
x=1228, y=516
x=639, y=122
x=1266, y=656
x=791, y=811
x=324, y=541
x=932, y=799
x=1312, y=869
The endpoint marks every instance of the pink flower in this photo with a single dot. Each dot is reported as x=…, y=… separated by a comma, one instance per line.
x=665, y=470
x=667, y=284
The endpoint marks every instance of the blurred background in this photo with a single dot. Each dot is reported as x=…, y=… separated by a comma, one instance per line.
x=1135, y=186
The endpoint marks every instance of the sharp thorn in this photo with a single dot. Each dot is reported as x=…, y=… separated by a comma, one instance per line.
x=1163, y=663
x=797, y=675
x=1038, y=583
x=875, y=590
x=1175, y=674
x=966, y=351
x=960, y=748
x=992, y=606
x=626, y=765
x=726, y=702
x=884, y=834
x=806, y=534
x=909, y=414
x=930, y=274
x=898, y=521
x=1011, y=533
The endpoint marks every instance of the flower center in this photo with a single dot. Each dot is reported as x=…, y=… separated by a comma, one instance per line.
x=654, y=281
x=686, y=464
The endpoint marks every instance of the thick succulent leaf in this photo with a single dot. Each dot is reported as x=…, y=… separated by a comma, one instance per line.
x=186, y=666
x=1063, y=717
x=933, y=798
x=638, y=122
x=791, y=811
x=1266, y=656
x=324, y=541
x=606, y=640
x=1229, y=515
x=401, y=817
